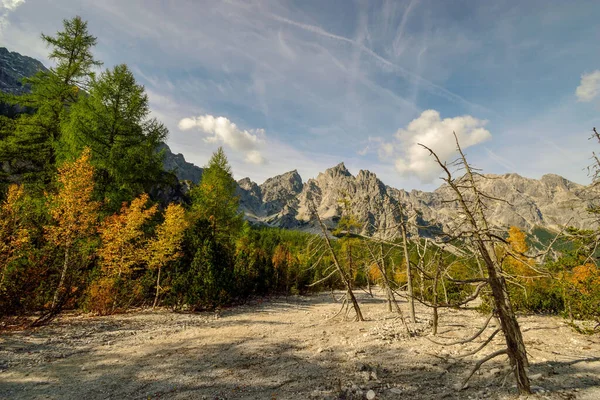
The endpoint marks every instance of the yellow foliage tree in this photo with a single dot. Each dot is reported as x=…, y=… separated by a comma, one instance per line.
x=13, y=236
x=517, y=263
x=72, y=210
x=122, y=237
x=165, y=246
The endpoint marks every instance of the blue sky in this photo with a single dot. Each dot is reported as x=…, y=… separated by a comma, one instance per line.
x=305, y=85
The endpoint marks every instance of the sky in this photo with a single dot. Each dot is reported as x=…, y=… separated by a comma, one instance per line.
x=307, y=84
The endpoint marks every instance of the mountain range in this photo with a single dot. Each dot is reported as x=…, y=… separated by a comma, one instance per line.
x=550, y=202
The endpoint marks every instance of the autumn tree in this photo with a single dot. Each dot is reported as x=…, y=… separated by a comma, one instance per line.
x=74, y=215
x=123, y=238
x=164, y=248
x=13, y=234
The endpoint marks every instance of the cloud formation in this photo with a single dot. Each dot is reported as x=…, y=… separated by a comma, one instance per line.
x=436, y=133
x=6, y=7
x=222, y=130
x=589, y=88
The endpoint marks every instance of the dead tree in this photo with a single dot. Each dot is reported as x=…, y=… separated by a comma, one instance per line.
x=342, y=274
x=409, y=282
x=434, y=294
x=470, y=201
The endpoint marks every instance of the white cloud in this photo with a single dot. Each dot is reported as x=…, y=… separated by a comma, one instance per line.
x=436, y=133
x=6, y=7
x=254, y=157
x=222, y=130
x=11, y=5
x=589, y=88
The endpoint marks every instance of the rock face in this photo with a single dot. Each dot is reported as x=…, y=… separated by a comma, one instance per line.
x=176, y=163
x=550, y=202
x=275, y=202
x=13, y=68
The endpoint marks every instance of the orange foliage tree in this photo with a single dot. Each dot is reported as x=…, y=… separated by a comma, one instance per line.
x=13, y=235
x=73, y=212
x=165, y=246
x=121, y=250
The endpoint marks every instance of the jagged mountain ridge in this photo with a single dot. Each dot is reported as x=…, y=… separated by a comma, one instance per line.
x=550, y=202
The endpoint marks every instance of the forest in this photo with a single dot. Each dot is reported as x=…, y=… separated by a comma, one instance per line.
x=84, y=227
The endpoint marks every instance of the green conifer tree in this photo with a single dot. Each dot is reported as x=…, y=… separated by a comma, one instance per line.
x=114, y=122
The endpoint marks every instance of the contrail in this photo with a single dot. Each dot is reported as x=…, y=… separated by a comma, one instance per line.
x=406, y=73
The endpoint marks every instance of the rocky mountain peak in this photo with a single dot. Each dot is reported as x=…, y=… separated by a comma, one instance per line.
x=338, y=170
x=290, y=181
x=549, y=202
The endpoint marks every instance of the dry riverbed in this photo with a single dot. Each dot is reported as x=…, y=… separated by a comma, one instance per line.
x=285, y=348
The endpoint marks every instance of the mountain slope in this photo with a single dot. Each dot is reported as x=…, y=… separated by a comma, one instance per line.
x=13, y=68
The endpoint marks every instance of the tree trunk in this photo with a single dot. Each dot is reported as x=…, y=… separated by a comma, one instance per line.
x=409, y=286
x=483, y=240
x=157, y=288
x=434, y=299
x=61, y=282
x=343, y=276
x=368, y=280
x=510, y=326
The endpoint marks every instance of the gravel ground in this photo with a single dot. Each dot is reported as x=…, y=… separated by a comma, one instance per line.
x=286, y=348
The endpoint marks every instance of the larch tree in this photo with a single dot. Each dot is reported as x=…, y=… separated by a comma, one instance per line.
x=114, y=121
x=215, y=199
x=74, y=214
x=165, y=247
x=472, y=205
x=123, y=238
